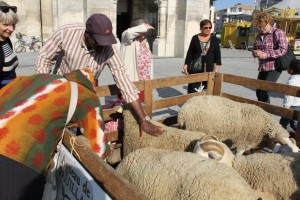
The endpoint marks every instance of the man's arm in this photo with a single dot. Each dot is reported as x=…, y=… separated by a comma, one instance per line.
x=49, y=53
x=145, y=126
x=130, y=94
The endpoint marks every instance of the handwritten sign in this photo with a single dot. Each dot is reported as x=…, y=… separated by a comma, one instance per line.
x=74, y=182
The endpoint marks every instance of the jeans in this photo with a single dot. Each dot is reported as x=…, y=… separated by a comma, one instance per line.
x=271, y=76
x=293, y=123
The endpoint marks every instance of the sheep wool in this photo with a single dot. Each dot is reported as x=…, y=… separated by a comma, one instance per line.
x=172, y=139
x=241, y=126
x=277, y=174
x=169, y=175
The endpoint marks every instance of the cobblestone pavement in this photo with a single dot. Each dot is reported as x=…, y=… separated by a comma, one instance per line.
x=235, y=62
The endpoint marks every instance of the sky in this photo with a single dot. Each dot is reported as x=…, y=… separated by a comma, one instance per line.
x=221, y=4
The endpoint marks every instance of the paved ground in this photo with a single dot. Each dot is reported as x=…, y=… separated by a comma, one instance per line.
x=234, y=62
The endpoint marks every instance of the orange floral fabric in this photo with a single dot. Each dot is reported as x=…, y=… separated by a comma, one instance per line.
x=33, y=112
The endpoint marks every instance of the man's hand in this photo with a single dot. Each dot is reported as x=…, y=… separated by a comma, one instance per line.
x=150, y=128
x=145, y=126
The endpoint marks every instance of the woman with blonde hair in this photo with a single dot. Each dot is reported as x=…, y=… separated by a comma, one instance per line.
x=266, y=52
x=8, y=59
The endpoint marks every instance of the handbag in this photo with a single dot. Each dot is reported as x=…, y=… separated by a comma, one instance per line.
x=196, y=65
x=283, y=62
x=50, y=189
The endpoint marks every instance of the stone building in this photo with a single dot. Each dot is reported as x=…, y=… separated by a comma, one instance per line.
x=175, y=21
x=236, y=13
x=264, y=4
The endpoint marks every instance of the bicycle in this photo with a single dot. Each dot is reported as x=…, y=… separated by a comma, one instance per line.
x=20, y=46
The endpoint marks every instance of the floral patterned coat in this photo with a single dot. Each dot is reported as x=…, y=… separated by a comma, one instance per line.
x=33, y=112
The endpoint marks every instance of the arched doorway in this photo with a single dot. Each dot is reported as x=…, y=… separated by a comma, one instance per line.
x=127, y=10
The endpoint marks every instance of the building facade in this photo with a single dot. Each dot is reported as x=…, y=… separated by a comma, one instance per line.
x=264, y=4
x=175, y=21
x=238, y=13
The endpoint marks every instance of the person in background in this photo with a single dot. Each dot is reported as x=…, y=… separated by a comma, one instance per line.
x=206, y=45
x=29, y=130
x=8, y=60
x=292, y=102
x=136, y=53
x=77, y=46
x=263, y=49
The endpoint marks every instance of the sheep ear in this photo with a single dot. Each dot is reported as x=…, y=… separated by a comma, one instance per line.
x=207, y=137
x=210, y=146
x=214, y=155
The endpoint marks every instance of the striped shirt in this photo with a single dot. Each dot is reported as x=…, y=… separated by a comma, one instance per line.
x=10, y=63
x=265, y=44
x=66, y=47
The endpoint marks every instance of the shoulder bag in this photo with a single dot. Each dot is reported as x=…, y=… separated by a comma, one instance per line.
x=196, y=64
x=283, y=62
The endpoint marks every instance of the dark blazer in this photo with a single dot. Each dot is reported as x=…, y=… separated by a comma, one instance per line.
x=213, y=54
x=2, y=58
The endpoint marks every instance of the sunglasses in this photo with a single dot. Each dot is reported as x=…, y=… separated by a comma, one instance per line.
x=5, y=9
x=207, y=27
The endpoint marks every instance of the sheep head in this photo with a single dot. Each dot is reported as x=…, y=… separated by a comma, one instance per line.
x=210, y=147
x=288, y=145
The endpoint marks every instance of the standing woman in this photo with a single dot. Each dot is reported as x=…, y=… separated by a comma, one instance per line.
x=206, y=45
x=264, y=50
x=136, y=52
x=8, y=59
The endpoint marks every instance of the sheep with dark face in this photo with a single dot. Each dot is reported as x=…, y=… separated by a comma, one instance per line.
x=241, y=126
x=169, y=175
x=276, y=174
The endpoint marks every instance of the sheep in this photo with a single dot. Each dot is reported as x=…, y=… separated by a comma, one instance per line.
x=241, y=126
x=172, y=139
x=276, y=174
x=168, y=175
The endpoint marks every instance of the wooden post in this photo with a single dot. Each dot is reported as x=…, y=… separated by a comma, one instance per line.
x=210, y=83
x=148, y=98
x=218, y=84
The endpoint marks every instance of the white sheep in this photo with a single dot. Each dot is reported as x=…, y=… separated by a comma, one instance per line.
x=241, y=126
x=169, y=175
x=276, y=174
x=173, y=139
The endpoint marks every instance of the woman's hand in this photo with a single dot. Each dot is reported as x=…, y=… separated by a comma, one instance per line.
x=184, y=70
x=217, y=68
x=259, y=54
x=150, y=128
x=254, y=53
x=149, y=26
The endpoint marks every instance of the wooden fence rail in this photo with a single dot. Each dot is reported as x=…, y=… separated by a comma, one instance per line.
x=215, y=84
